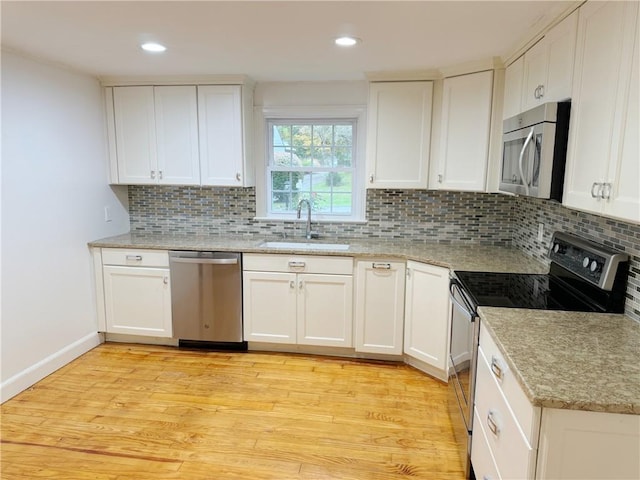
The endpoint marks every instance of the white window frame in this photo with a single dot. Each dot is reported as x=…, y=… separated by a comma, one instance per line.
x=264, y=114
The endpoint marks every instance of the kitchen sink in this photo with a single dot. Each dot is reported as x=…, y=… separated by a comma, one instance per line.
x=306, y=246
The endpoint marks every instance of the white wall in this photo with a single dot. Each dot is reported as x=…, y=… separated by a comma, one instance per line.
x=54, y=190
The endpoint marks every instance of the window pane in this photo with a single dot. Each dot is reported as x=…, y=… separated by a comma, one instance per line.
x=344, y=135
x=280, y=202
x=342, y=203
x=303, y=157
x=322, y=157
x=281, y=135
x=301, y=135
x=321, y=202
x=343, y=157
x=322, y=134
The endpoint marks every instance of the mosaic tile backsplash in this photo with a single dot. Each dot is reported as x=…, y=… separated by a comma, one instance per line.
x=419, y=215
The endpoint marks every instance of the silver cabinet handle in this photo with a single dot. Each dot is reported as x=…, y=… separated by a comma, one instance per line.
x=493, y=426
x=153, y=174
x=496, y=369
x=408, y=273
x=371, y=178
x=541, y=92
x=605, y=191
x=381, y=266
x=594, y=194
x=535, y=92
x=297, y=264
x=165, y=280
x=300, y=285
x=160, y=174
x=134, y=258
x=238, y=176
x=440, y=178
x=292, y=284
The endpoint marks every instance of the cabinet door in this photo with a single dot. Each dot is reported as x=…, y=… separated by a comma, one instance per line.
x=513, y=78
x=137, y=300
x=624, y=169
x=399, y=134
x=325, y=310
x=535, y=74
x=221, y=137
x=427, y=311
x=588, y=445
x=464, y=138
x=603, y=30
x=135, y=135
x=561, y=47
x=176, y=111
x=379, y=307
x=269, y=307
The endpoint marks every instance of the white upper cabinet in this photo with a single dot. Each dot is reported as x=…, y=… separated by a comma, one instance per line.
x=155, y=135
x=176, y=112
x=399, y=134
x=513, y=75
x=548, y=65
x=180, y=134
x=222, y=143
x=603, y=170
x=465, y=126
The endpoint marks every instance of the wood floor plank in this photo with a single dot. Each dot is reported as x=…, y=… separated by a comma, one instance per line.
x=141, y=412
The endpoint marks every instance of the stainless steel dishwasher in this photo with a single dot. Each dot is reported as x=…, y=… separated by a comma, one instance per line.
x=206, y=299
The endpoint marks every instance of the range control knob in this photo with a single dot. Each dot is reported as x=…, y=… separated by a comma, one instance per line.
x=585, y=262
x=595, y=266
x=557, y=248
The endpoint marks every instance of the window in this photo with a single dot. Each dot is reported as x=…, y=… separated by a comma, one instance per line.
x=313, y=160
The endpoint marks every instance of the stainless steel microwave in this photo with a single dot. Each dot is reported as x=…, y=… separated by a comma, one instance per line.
x=534, y=151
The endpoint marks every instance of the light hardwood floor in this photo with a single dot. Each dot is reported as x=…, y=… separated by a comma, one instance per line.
x=141, y=412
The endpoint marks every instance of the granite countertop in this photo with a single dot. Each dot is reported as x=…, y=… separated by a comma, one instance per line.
x=455, y=257
x=570, y=360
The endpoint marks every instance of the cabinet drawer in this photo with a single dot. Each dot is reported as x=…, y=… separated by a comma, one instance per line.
x=513, y=454
x=135, y=257
x=484, y=465
x=527, y=415
x=298, y=263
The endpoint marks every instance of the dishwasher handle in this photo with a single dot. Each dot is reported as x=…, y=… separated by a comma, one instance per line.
x=208, y=261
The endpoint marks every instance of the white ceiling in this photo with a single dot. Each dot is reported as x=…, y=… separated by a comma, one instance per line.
x=267, y=40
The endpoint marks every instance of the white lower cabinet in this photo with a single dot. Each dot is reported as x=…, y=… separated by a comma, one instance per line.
x=137, y=295
x=298, y=300
x=427, y=312
x=512, y=439
x=379, y=310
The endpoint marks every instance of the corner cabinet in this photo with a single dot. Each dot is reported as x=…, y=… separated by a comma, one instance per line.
x=399, y=134
x=602, y=159
x=427, y=313
x=379, y=310
x=292, y=299
x=464, y=133
x=180, y=134
x=137, y=294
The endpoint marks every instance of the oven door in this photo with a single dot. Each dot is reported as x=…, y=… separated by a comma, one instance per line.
x=463, y=354
x=527, y=160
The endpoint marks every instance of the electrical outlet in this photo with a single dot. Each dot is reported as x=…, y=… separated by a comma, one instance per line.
x=107, y=214
x=540, y=232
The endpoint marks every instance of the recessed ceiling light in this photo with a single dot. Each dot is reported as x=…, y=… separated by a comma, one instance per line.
x=153, y=47
x=347, y=41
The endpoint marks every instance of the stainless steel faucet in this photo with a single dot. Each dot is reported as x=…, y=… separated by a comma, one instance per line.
x=309, y=235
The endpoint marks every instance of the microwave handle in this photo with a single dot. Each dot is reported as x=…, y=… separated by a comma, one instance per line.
x=525, y=181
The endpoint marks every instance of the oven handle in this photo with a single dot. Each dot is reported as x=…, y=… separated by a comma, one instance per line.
x=467, y=309
x=525, y=181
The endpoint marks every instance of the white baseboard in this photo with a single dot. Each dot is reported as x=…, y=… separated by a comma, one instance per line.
x=33, y=374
